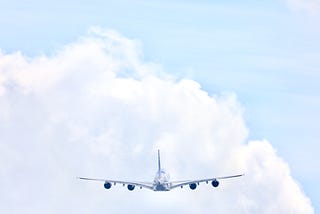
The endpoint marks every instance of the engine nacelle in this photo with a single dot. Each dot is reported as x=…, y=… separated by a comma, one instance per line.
x=131, y=187
x=107, y=185
x=193, y=186
x=215, y=183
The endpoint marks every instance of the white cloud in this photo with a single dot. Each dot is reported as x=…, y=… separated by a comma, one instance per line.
x=309, y=6
x=96, y=109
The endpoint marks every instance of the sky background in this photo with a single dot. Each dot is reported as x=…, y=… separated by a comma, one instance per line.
x=265, y=53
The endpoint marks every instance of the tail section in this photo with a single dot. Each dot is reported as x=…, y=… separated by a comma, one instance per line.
x=159, y=165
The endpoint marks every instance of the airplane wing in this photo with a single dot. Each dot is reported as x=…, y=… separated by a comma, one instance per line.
x=146, y=185
x=197, y=182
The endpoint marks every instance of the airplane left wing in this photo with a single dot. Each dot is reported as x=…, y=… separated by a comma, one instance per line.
x=193, y=183
x=108, y=183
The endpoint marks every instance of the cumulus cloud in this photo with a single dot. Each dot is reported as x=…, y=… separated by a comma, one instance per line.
x=96, y=109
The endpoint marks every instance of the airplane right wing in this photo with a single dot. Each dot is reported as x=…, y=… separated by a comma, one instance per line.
x=193, y=183
x=131, y=185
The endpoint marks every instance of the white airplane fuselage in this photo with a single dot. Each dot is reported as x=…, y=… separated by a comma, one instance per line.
x=161, y=181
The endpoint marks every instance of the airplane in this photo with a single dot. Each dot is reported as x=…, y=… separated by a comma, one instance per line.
x=161, y=181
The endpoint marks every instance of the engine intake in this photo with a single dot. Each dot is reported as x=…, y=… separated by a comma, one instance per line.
x=215, y=183
x=131, y=187
x=193, y=186
x=107, y=185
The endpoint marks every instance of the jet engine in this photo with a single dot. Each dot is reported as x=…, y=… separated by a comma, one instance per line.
x=193, y=186
x=107, y=185
x=215, y=183
x=131, y=187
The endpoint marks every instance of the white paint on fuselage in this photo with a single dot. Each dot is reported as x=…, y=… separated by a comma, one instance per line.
x=161, y=181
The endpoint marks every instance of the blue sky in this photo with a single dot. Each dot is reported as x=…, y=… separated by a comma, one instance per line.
x=267, y=53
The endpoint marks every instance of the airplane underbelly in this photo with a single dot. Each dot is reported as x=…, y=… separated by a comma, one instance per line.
x=161, y=187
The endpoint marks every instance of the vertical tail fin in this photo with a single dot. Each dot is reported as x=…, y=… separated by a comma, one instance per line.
x=159, y=165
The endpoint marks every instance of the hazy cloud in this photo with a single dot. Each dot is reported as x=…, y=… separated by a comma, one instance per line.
x=95, y=108
x=309, y=6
